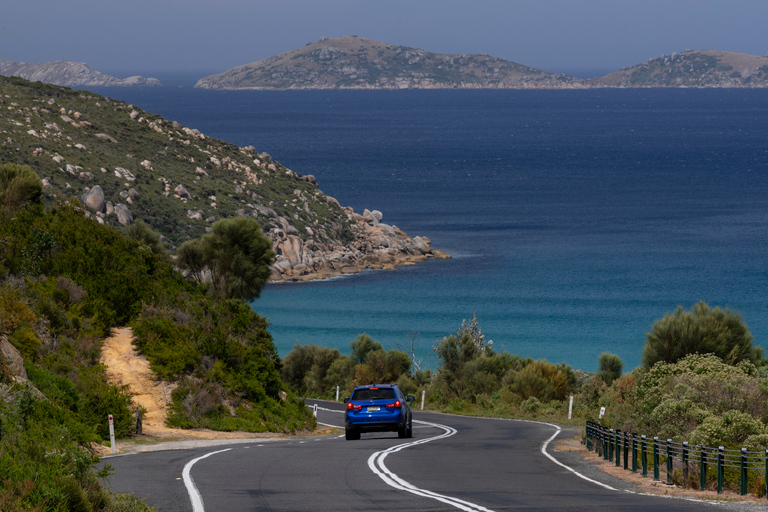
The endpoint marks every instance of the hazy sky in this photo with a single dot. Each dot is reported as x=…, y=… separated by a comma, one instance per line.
x=154, y=37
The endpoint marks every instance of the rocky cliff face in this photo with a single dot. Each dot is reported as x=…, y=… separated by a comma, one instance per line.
x=357, y=63
x=70, y=74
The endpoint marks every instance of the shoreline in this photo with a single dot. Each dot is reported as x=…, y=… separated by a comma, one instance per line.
x=377, y=246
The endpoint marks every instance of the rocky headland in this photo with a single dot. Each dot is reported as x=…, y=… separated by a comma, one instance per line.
x=71, y=74
x=376, y=246
x=125, y=164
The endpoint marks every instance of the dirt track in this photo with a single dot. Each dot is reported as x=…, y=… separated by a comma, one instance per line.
x=126, y=366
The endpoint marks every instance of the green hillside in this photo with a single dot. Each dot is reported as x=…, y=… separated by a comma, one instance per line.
x=76, y=140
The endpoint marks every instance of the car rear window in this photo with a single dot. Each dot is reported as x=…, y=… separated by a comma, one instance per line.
x=374, y=394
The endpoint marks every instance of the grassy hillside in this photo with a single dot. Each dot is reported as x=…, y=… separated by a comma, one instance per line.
x=76, y=140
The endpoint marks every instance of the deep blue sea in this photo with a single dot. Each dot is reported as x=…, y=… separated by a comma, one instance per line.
x=575, y=218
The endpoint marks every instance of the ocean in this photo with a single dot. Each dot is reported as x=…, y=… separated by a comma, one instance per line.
x=575, y=218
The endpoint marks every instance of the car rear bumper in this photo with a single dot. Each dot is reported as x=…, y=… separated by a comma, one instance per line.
x=374, y=426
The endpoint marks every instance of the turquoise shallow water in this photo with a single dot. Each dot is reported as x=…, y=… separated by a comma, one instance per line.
x=575, y=218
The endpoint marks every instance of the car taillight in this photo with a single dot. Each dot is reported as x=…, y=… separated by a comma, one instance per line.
x=354, y=407
x=392, y=405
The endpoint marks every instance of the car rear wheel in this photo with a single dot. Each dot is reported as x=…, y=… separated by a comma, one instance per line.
x=409, y=432
x=402, y=431
x=351, y=435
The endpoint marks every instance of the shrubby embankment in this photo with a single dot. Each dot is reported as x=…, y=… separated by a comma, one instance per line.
x=65, y=281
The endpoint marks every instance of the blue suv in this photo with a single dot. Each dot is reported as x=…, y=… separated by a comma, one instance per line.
x=378, y=408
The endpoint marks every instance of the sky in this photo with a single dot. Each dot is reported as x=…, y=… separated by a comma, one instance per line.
x=585, y=37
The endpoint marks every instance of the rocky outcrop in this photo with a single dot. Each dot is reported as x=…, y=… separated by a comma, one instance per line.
x=376, y=246
x=70, y=74
x=124, y=215
x=13, y=360
x=94, y=199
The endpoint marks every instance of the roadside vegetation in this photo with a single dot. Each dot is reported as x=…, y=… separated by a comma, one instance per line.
x=703, y=380
x=65, y=281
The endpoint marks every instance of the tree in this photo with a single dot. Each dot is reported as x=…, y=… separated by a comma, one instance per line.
x=237, y=255
x=702, y=330
x=361, y=346
x=413, y=347
x=18, y=185
x=190, y=258
x=610, y=367
x=147, y=238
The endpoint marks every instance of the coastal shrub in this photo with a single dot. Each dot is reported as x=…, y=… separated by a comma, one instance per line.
x=361, y=346
x=26, y=342
x=340, y=373
x=703, y=330
x=707, y=381
x=306, y=366
x=15, y=311
x=43, y=465
x=610, y=367
x=542, y=380
x=147, y=238
x=730, y=429
x=19, y=185
x=238, y=256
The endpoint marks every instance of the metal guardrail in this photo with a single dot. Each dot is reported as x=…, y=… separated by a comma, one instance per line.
x=679, y=460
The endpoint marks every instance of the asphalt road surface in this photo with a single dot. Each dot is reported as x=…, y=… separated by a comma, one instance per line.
x=452, y=463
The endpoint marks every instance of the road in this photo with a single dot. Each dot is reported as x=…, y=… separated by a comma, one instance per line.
x=452, y=463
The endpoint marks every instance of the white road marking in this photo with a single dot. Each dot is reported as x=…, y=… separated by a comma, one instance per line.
x=194, y=494
x=544, y=451
x=376, y=463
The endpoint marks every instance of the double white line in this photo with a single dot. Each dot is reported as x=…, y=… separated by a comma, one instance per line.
x=376, y=463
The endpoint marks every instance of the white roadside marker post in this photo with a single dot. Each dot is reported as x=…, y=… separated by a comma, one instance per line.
x=314, y=412
x=423, y=392
x=112, y=433
x=570, y=408
x=602, y=412
x=337, y=393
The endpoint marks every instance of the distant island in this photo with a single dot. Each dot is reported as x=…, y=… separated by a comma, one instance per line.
x=70, y=74
x=353, y=62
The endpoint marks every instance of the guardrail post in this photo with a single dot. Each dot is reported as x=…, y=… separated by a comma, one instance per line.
x=766, y=473
x=606, y=442
x=634, y=453
x=644, y=455
x=685, y=461
x=703, y=469
x=598, y=438
x=743, y=471
x=656, y=458
x=626, y=450
x=610, y=444
x=720, y=468
x=618, y=450
x=669, y=461
x=588, y=440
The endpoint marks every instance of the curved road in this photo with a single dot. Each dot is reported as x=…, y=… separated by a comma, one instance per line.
x=452, y=463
